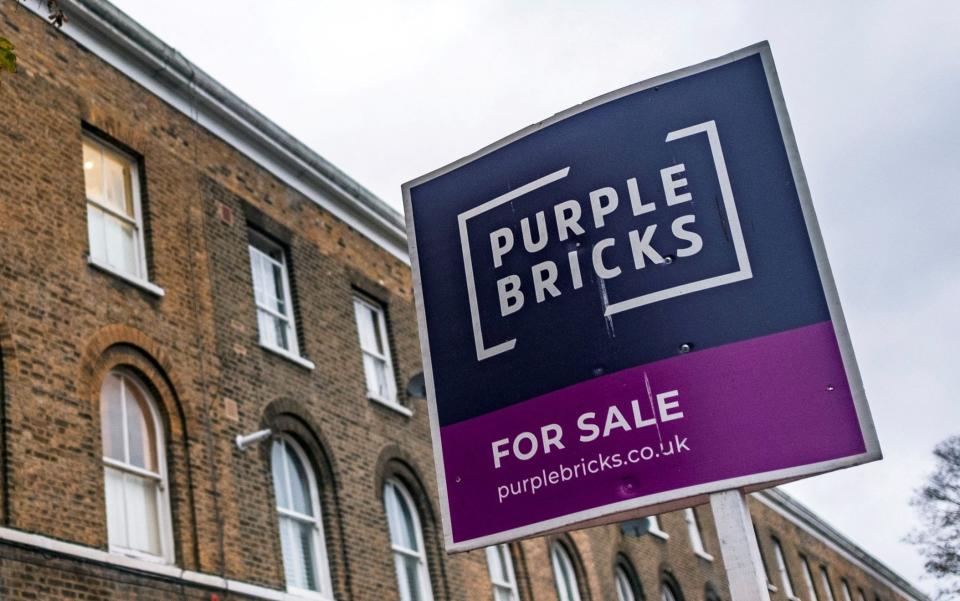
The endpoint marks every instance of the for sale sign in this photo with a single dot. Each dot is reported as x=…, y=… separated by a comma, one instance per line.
x=628, y=306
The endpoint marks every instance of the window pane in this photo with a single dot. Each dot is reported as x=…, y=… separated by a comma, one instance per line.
x=141, y=430
x=299, y=485
x=92, y=171
x=411, y=569
x=116, y=185
x=564, y=575
x=279, y=474
x=120, y=244
x=282, y=339
x=278, y=293
x=503, y=594
x=498, y=572
x=299, y=561
x=624, y=588
x=111, y=418
x=95, y=230
x=143, y=528
x=366, y=326
x=116, y=510
x=667, y=594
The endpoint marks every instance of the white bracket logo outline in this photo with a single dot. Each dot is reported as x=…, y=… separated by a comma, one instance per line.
x=744, y=271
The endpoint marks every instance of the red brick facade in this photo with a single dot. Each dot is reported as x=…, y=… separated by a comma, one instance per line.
x=65, y=324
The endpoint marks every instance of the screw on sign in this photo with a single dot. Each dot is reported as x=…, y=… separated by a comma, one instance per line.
x=650, y=317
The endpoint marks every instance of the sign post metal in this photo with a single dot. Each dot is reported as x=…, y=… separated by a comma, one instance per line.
x=627, y=309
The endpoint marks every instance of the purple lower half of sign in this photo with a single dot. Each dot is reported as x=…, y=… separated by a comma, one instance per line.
x=761, y=405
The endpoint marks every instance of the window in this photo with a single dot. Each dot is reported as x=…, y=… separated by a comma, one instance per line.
x=271, y=290
x=785, y=579
x=372, y=327
x=301, y=527
x=135, y=478
x=763, y=561
x=693, y=527
x=860, y=595
x=825, y=581
x=406, y=539
x=114, y=212
x=667, y=593
x=653, y=527
x=624, y=584
x=845, y=589
x=502, y=575
x=808, y=578
x=563, y=573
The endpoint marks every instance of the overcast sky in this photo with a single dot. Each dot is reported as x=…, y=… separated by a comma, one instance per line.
x=391, y=90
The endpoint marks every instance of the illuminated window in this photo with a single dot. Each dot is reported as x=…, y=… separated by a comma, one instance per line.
x=114, y=212
x=135, y=475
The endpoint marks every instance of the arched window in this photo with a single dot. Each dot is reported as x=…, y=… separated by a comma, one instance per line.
x=406, y=540
x=502, y=576
x=668, y=593
x=564, y=574
x=135, y=473
x=301, y=525
x=625, y=583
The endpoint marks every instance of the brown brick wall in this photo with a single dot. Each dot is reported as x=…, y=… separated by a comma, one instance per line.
x=64, y=325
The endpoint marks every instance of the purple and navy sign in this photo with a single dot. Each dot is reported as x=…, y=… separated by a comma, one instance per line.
x=627, y=307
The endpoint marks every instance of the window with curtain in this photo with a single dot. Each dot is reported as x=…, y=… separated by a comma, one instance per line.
x=406, y=540
x=502, y=576
x=301, y=525
x=135, y=476
x=114, y=212
x=375, y=346
x=564, y=574
x=271, y=291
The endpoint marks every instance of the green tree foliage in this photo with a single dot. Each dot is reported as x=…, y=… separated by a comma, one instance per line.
x=938, y=503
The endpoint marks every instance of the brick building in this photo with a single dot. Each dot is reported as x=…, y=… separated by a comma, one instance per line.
x=179, y=271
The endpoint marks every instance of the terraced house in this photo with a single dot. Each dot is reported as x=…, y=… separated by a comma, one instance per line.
x=178, y=271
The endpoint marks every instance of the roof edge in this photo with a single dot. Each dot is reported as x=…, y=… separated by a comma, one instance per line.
x=123, y=43
x=812, y=523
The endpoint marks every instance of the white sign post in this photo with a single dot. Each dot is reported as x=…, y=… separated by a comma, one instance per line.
x=739, y=546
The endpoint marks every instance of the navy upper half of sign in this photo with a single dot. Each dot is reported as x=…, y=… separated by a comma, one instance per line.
x=565, y=340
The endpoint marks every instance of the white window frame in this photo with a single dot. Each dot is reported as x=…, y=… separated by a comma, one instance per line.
x=164, y=519
x=825, y=581
x=420, y=554
x=141, y=278
x=391, y=400
x=562, y=565
x=321, y=563
x=696, y=538
x=808, y=578
x=623, y=584
x=845, y=588
x=667, y=592
x=785, y=579
x=653, y=527
x=501, y=554
x=256, y=239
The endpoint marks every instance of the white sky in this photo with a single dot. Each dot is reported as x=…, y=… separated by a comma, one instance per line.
x=391, y=90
